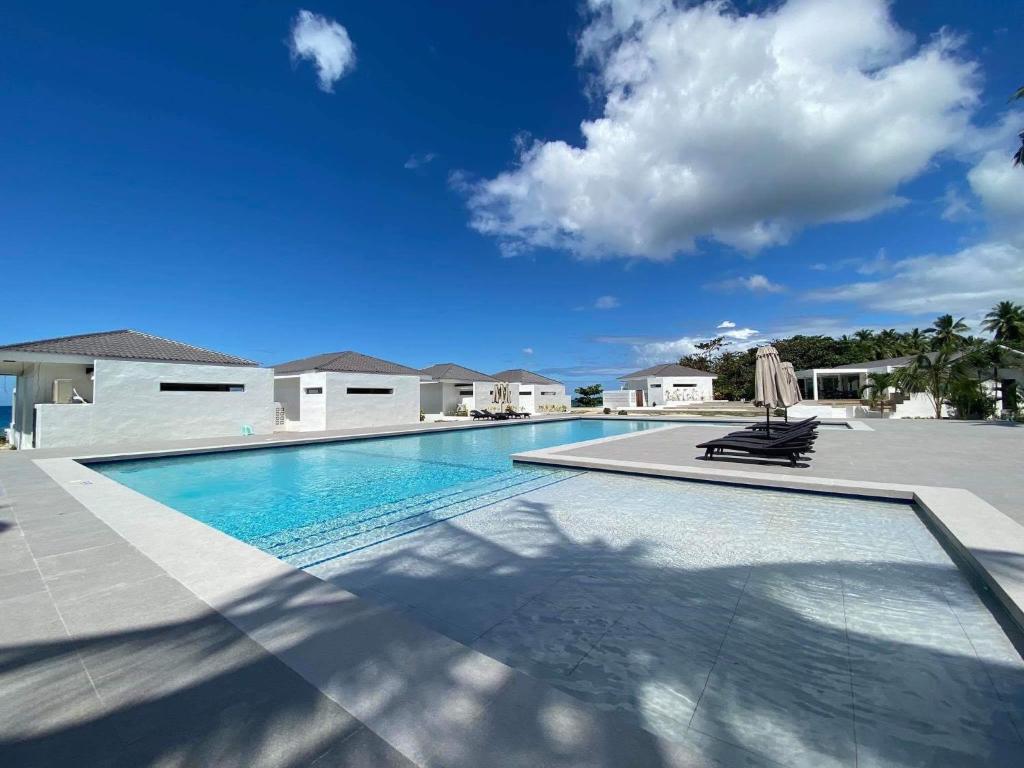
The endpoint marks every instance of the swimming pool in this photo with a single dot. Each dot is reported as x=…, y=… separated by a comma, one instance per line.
x=309, y=504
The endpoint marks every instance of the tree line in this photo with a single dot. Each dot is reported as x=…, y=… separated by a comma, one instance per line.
x=947, y=362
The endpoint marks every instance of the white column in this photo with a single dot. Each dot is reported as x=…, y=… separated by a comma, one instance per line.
x=814, y=381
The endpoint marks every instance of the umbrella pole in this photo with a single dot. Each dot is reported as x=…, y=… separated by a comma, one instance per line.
x=785, y=413
x=767, y=421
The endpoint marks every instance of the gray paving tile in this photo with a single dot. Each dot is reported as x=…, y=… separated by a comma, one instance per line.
x=126, y=607
x=14, y=553
x=61, y=541
x=41, y=692
x=21, y=583
x=79, y=574
x=29, y=619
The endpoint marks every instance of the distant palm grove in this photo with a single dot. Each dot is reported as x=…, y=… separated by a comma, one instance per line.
x=946, y=362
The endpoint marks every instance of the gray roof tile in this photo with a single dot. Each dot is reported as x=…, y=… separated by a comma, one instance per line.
x=453, y=371
x=523, y=376
x=127, y=345
x=668, y=369
x=346, y=362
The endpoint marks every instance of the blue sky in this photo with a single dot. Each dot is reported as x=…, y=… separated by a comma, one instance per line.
x=430, y=195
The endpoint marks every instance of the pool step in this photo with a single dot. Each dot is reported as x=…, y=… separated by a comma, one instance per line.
x=313, y=544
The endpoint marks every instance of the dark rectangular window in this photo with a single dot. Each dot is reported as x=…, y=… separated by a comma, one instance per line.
x=314, y=390
x=466, y=393
x=655, y=386
x=191, y=386
x=684, y=385
x=526, y=392
x=549, y=393
x=368, y=391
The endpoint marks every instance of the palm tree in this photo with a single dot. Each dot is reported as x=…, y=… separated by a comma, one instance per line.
x=988, y=356
x=876, y=390
x=935, y=374
x=1018, y=157
x=914, y=342
x=864, y=342
x=1005, y=322
x=886, y=344
x=947, y=332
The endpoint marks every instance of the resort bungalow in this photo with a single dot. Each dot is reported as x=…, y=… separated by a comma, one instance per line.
x=838, y=391
x=450, y=390
x=126, y=385
x=536, y=393
x=339, y=390
x=664, y=385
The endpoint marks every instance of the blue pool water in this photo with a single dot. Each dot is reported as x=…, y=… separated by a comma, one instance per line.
x=307, y=504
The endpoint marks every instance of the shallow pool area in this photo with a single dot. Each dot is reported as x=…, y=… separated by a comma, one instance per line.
x=307, y=504
x=754, y=627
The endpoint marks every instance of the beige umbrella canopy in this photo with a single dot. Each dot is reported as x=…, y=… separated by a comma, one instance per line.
x=791, y=390
x=770, y=384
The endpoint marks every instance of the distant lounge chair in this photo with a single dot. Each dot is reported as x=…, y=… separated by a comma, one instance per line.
x=789, y=446
x=521, y=414
x=495, y=416
x=478, y=415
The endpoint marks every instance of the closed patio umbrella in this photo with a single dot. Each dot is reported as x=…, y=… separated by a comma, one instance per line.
x=768, y=379
x=791, y=390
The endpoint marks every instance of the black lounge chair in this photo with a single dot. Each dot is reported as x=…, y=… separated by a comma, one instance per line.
x=784, y=446
x=763, y=434
x=522, y=414
x=478, y=415
x=782, y=426
x=495, y=416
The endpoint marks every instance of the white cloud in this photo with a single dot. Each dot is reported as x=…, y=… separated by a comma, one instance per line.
x=726, y=324
x=652, y=352
x=969, y=281
x=739, y=127
x=606, y=302
x=741, y=334
x=752, y=283
x=326, y=43
x=418, y=161
x=955, y=207
x=527, y=350
x=961, y=283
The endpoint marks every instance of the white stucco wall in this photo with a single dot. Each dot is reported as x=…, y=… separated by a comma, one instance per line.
x=128, y=405
x=655, y=388
x=287, y=391
x=545, y=396
x=344, y=410
x=431, y=397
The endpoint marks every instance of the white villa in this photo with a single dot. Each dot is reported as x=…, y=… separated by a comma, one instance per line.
x=837, y=392
x=536, y=393
x=340, y=390
x=448, y=388
x=662, y=386
x=126, y=385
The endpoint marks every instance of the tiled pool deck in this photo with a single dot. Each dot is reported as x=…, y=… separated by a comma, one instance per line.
x=809, y=630
x=839, y=634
